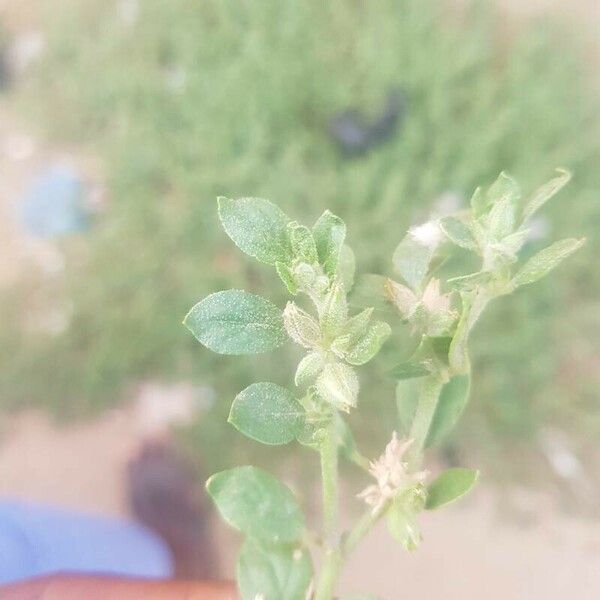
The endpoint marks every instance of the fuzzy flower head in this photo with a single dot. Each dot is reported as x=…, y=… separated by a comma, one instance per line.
x=392, y=474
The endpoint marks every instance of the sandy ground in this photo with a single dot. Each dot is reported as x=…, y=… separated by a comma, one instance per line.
x=469, y=551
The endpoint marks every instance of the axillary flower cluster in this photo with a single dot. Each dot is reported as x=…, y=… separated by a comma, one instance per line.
x=317, y=268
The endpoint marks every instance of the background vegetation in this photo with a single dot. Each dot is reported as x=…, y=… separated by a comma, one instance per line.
x=188, y=101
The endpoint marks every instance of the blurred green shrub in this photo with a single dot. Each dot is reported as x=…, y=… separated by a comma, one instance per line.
x=193, y=100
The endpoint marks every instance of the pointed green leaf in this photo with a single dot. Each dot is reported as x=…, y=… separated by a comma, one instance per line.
x=413, y=254
x=458, y=233
x=368, y=346
x=236, y=322
x=543, y=262
x=303, y=244
x=267, y=413
x=257, y=504
x=279, y=572
x=286, y=275
x=300, y=326
x=479, y=203
x=451, y=404
x=471, y=281
x=329, y=233
x=334, y=311
x=257, y=227
x=504, y=196
x=545, y=192
x=450, y=486
x=347, y=267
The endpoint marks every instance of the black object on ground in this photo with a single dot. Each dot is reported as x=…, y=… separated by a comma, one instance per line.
x=355, y=135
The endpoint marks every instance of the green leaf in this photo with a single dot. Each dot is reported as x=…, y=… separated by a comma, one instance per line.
x=471, y=281
x=257, y=504
x=347, y=267
x=370, y=344
x=545, y=192
x=286, y=275
x=407, y=398
x=413, y=254
x=267, y=413
x=338, y=385
x=458, y=233
x=503, y=195
x=450, y=486
x=329, y=233
x=479, y=203
x=309, y=368
x=543, y=262
x=402, y=526
x=257, y=227
x=280, y=572
x=303, y=244
x=236, y=322
x=334, y=311
x=300, y=326
x=452, y=402
x=409, y=370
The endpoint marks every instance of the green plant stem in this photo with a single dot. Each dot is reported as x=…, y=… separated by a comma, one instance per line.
x=332, y=566
x=329, y=475
x=428, y=400
x=335, y=559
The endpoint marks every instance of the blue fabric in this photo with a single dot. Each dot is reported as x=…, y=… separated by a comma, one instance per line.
x=39, y=540
x=54, y=205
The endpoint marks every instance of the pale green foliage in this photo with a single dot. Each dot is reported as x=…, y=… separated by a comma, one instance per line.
x=257, y=504
x=544, y=261
x=273, y=572
x=450, y=486
x=433, y=384
x=236, y=322
x=258, y=227
x=267, y=413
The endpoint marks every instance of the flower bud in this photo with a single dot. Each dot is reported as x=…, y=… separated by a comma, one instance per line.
x=338, y=385
x=300, y=326
x=334, y=311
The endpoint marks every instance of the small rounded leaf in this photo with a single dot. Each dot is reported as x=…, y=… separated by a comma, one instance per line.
x=449, y=486
x=300, y=326
x=280, y=572
x=267, y=413
x=236, y=322
x=257, y=504
x=338, y=385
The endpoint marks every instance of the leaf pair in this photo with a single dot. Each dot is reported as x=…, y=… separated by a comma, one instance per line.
x=262, y=230
x=273, y=563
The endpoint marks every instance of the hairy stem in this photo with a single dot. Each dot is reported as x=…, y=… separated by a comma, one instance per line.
x=329, y=475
